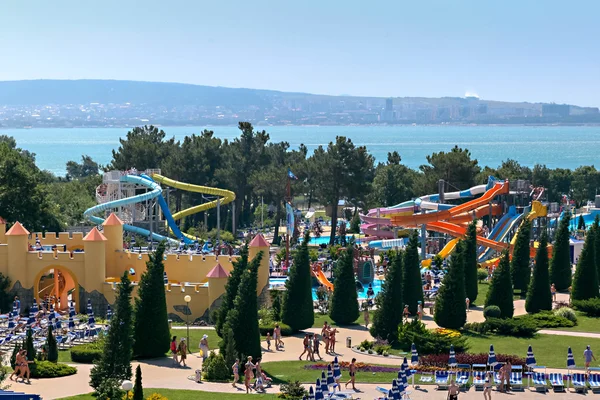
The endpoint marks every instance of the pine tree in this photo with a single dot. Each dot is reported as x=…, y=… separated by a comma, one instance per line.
x=298, y=308
x=115, y=361
x=138, y=390
x=355, y=223
x=412, y=289
x=596, y=228
x=470, y=262
x=52, y=346
x=580, y=223
x=450, y=306
x=228, y=346
x=276, y=304
x=388, y=314
x=585, y=282
x=29, y=345
x=539, y=296
x=501, y=292
x=560, y=266
x=344, y=301
x=231, y=289
x=243, y=317
x=151, y=309
x=519, y=266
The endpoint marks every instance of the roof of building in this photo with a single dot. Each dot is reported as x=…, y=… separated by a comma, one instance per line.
x=94, y=236
x=17, y=230
x=112, y=220
x=217, y=272
x=259, y=241
x=2, y=221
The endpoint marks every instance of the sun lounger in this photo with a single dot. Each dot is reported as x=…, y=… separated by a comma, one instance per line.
x=539, y=382
x=441, y=379
x=425, y=378
x=557, y=382
x=516, y=380
x=579, y=382
x=478, y=379
x=462, y=378
x=594, y=381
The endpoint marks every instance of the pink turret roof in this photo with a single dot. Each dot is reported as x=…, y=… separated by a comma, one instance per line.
x=17, y=230
x=94, y=236
x=259, y=241
x=2, y=221
x=112, y=220
x=217, y=272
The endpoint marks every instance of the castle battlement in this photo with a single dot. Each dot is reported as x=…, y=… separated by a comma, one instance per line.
x=59, y=256
x=57, y=237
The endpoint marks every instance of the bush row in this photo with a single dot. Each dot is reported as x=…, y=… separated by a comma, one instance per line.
x=268, y=327
x=429, y=342
x=590, y=307
x=441, y=360
x=87, y=353
x=48, y=369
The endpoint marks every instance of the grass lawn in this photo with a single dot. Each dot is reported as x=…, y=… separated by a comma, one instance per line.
x=584, y=324
x=320, y=318
x=549, y=350
x=195, y=336
x=483, y=288
x=184, y=395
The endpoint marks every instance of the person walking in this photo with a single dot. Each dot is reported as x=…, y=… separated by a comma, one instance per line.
x=182, y=350
x=589, y=356
x=352, y=373
x=453, y=391
x=553, y=291
x=248, y=374
x=316, y=344
x=306, y=344
x=487, y=387
x=235, y=368
x=204, y=347
x=174, y=350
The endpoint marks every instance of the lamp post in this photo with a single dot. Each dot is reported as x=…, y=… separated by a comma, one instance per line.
x=187, y=300
x=127, y=386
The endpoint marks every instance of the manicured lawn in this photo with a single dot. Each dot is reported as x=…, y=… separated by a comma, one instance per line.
x=549, y=350
x=282, y=371
x=195, y=336
x=185, y=395
x=319, y=319
x=482, y=289
x=584, y=324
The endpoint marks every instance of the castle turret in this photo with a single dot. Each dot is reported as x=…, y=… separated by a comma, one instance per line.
x=113, y=232
x=95, y=261
x=16, y=238
x=257, y=245
x=217, y=279
x=2, y=230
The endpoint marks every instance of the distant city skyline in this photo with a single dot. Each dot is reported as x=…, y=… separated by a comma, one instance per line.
x=508, y=51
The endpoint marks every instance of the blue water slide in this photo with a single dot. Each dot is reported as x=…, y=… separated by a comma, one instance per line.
x=153, y=193
x=501, y=230
x=167, y=213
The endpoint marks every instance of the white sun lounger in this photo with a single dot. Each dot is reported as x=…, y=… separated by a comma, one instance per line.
x=579, y=382
x=441, y=379
x=462, y=378
x=539, y=382
x=516, y=380
x=594, y=382
x=478, y=379
x=557, y=382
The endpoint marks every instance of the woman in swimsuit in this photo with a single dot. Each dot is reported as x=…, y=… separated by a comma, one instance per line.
x=236, y=372
x=248, y=374
x=332, y=340
x=487, y=387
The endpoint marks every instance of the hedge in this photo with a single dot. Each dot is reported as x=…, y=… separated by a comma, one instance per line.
x=47, y=369
x=285, y=329
x=590, y=307
x=87, y=353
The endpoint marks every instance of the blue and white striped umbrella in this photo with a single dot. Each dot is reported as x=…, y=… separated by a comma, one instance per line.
x=530, y=361
x=406, y=368
x=414, y=356
x=16, y=308
x=330, y=379
x=165, y=277
x=402, y=380
x=311, y=393
x=11, y=321
x=89, y=310
x=492, y=357
x=57, y=324
x=318, y=391
x=34, y=308
x=395, y=390
x=51, y=314
x=71, y=309
x=324, y=387
x=570, y=359
x=71, y=323
x=404, y=383
x=337, y=372
x=108, y=313
x=452, y=359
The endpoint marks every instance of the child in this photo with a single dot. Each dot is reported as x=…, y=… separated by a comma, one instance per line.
x=236, y=372
x=268, y=341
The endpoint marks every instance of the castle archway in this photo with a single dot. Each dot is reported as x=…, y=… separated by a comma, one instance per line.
x=58, y=285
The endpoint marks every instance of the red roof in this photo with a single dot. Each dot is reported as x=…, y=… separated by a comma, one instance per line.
x=17, y=230
x=94, y=236
x=2, y=221
x=112, y=220
x=259, y=241
x=217, y=272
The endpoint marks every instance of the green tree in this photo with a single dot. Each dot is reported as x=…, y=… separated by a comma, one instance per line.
x=240, y=264
x=143, y=148
x=298, y=308
x=586, y=180
x=596, y=228
x=52, y=346
x=344, y=301
x=412, y=290
x=388, y=314
x=560, y=266
x=519, y=267
x=5, y=298
x=29, y=345
x=512, y=170
x=151, y=309
x=393, y=182
x=87, y=167
x=355, y=223
x=450, y=306
x=455, y=167
x=138, y=390
x=585, y=281
x=539, y=296
x=501, y=292
x=470, y=264
x=580, y=223
x=227, y=346
x=243, y=317
x=276, y=304
x=115, y=361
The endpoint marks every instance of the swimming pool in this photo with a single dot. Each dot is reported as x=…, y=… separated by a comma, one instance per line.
x=324, y=240
x=275, y=283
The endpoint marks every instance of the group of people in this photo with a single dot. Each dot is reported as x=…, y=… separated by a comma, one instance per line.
x=21, y=367
x=276, y=338
x=250, y=368
x=179, y=350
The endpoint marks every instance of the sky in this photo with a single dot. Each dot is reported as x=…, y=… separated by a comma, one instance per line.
x=513, y=50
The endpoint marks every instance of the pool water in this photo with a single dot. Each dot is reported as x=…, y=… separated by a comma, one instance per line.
x=317, y=241
x=275, y=283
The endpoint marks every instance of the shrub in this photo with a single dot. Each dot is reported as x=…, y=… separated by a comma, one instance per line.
x=382, y=349
x=590, y=307
x=512, y=327
x=48, y=369
x=87, y=353
x=344, y=301
x=441, y=360
x=52, y=346
x=285, y=329
x=492, y=312
x=156, y=396
x=214, y=368
x=110, y=388
x=547, y=320
x=365, y=344
x=481, y=275
x=292, y=390
x=428, y=342
x=567, y=313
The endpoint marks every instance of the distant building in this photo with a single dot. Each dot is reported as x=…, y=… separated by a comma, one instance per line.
x=387, y=115
x=556, y=110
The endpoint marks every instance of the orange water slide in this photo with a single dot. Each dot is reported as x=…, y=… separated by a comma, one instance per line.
x=318, y=273
x=421, y=219
x=460, y=231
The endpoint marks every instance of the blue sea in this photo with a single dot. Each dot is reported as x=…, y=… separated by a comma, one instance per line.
x=555, y=146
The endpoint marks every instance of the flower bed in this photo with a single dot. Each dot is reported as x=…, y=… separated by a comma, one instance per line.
x=441, y=360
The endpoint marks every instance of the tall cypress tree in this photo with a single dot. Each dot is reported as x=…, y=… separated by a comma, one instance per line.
x=151, y=309
x=29, y=345
x=470, y=262
x=596, y=228
x=501, y=292
x=344, y=301
x=388, y=314
x=539, y=296
x=585, y=282
x=240, y=264
x=560, y=266
x=450, y=306
x=138, y=390
x=52, y=346
x=298, y=309
x=519, y=266
x=243, y=317
x=412, y=285
x=115, y=361
x=581, y=223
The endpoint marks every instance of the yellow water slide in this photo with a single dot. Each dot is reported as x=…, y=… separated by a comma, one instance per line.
x=445, y=252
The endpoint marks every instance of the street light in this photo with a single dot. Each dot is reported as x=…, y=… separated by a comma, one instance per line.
x=127, y=386
x=187, y=300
